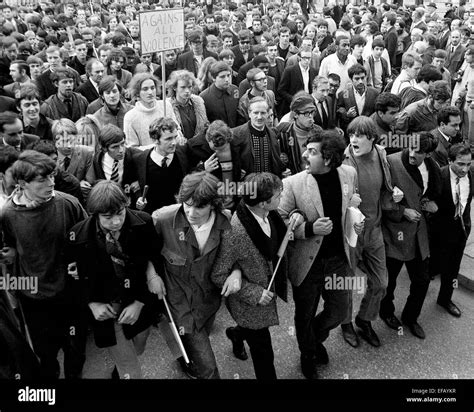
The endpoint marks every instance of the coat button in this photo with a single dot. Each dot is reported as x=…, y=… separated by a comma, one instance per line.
x=311, y=257
x=318, y=241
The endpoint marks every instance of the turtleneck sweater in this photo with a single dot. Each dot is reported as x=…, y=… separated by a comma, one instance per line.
x=137, y=121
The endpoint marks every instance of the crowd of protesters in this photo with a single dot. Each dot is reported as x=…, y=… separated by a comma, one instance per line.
x=117, y=199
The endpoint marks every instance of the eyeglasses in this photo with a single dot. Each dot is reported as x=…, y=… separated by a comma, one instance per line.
x=261, y=79
x=307, y=114
x=305, y=58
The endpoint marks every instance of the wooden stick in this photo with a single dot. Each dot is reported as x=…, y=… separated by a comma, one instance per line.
x=281, y=251
x=176, y=333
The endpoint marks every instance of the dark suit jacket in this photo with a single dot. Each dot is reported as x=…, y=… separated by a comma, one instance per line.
x=242, y=72
x=444, y=224
x=186, y=60
x=55, y=108
x=239, y=60
x=88, y=90
x=331, y=111
x=440, y=154
x=391, y=44
x=139, y=162
x=96, y=172
x=243, y=139
x=292, y=82
x=346, y=100
x=455, y=60
x=443, y=40
x=5, y=77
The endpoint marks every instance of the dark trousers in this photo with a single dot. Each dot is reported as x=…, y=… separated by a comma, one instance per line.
x=200, y=353
x=311, y=329
x=261, y=350
x=419, y=283
x=452, y=254
x=56, y=324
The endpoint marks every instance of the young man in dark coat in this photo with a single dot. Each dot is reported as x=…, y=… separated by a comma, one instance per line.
x=190, y=235
x=114, y=252
x=452, y=224
x=252, y=245
x=405, y=229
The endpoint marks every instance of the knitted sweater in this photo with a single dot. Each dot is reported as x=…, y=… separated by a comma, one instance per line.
x=137, y=121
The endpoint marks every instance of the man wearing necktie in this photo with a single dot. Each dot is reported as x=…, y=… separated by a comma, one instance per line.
x=452, y=223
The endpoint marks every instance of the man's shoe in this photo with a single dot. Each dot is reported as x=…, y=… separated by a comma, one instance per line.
x=350, y=335
x=186, y=368
x=451, y=308
x=415, y=329
x=322, y=357
x=391, y=321
x=308, y=367
x=237, y=343
x=367, y=332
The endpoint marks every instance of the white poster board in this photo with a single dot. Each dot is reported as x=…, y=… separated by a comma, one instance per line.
x=161, y=30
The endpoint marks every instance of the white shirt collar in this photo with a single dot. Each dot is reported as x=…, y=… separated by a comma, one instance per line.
x=442, y=134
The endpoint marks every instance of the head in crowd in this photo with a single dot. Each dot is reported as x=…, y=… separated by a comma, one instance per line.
x=180, y=85
x=197, y=42
x=449, y=121
x=112, y=141
x=324, y=152
x=422, y=148
x=116, y=60
x=54, y=57
x=144, y=87
x=320, y=88
x=221, y=73
x=334, y=83
x=218, y=135
x=302, y=110
x=109, y=91
x=362, y=134
x=19, y=70
x=263, y=191
x=63, y=79
x=439, y=94
x=439, y=59
x=107, y=202
x=28, y=103
x=258, y=112
x=427, y=75
x=227, y=56
x=36, y=65
x=11, y=129
x=387, y=107
x=204, y=78
x=199, y=196
x=257, y=80
x=358, y=75
x=65, y=135
x=411, y=63
x=163, y=132
x=95, y=70
x=460, y=158
x=34, y=173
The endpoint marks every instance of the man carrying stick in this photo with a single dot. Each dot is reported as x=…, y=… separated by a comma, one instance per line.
x=190, y=235
x=252, y=246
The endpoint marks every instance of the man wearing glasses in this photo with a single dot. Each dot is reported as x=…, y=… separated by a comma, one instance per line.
x=295, y=78
x=242, y=51
x=258, y=82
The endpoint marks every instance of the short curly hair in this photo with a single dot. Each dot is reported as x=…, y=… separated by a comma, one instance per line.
x=176, y=76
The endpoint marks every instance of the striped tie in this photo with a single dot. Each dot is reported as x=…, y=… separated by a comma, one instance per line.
x=115, y=172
